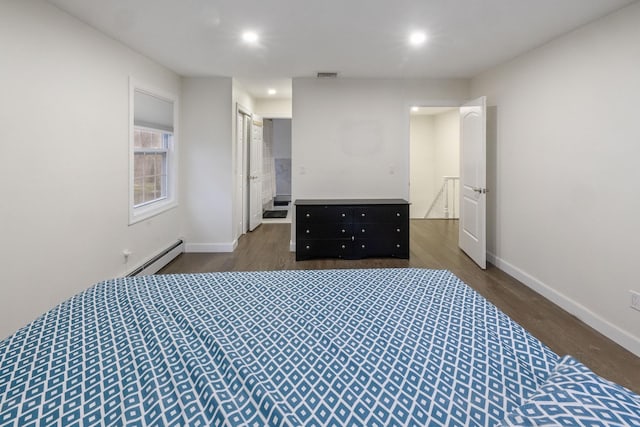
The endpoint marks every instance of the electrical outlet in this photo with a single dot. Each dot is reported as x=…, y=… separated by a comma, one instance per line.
x=635, y=300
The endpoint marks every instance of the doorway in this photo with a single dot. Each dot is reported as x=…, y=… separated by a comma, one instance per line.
x=448, y=159
x=434, y=146
x=277, y=170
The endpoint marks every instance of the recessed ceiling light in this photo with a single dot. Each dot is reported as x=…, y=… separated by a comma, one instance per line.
x=417, y=38
x=415, y=109
x=250, y=36
x=271, y=91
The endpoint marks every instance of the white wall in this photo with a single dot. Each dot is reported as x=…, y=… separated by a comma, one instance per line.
x=565, y=145
x=351, y=136
x=273, y=108
x=241, y=96
x=447, y=155
x=207, y=166
x=282, y=138
x=421, y=167
x=64, y=158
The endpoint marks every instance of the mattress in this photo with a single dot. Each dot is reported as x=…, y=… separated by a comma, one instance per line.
x=283, y=348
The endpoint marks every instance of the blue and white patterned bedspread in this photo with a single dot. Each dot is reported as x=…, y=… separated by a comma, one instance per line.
x=338, y=347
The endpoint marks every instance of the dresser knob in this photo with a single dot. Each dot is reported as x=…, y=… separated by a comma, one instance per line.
x=364, y=214
x=397, y=213
x=362, y=246
x=343, y=231
x=363, y=230
x=397, y=246
x=307, y=247
x=307, y=231
x=398, y=230
x=343, y=246
x=343, y=215
x=308, y=215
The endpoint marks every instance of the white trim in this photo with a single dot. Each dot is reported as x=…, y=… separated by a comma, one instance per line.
x=276, y=116
x=211, y=247
x=150, y=210
x=171, y=201
x=611, y=331
x=292, y=246
x=160, y=262
x=242, y=177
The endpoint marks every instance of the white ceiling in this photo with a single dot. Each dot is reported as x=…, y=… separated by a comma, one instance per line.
x=356, y=38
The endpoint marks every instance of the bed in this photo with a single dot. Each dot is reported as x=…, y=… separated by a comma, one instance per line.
x=378, y=347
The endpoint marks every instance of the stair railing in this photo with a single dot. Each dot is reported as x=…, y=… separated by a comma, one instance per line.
x=450, y=184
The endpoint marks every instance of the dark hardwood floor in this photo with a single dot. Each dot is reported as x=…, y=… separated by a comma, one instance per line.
x=434, y=245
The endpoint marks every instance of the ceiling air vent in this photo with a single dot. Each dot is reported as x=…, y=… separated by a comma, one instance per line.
x=327, y=75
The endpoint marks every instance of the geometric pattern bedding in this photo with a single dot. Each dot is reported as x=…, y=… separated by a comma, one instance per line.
x=297, y=348
x=573, y=395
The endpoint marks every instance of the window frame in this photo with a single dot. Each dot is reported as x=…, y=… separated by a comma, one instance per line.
x=152, y=208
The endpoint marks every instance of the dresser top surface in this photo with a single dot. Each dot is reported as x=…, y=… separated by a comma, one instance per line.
x=350, y=202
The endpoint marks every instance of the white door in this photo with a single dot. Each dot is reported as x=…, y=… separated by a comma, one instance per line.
x=255, y=174
x=240, y=175
x=473, y=166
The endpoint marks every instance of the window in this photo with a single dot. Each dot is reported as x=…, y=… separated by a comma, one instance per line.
x=153, y=166
x=150, y=158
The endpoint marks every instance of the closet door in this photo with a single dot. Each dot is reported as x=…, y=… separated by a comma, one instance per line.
x=255, y=174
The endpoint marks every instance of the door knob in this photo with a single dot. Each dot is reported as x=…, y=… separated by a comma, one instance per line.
x=479, y=190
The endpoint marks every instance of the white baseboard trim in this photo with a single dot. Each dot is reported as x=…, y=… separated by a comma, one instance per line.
x=611, y=331
x=292, y=246
x=211, y=247
x=156, y=263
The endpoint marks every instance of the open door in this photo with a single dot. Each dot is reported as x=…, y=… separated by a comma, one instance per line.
x=255, y=174
x=473, y=166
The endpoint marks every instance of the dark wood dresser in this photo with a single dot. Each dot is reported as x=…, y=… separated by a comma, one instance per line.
x=352, y=229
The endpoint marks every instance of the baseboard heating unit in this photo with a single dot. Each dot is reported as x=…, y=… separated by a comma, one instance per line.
x=157, y=262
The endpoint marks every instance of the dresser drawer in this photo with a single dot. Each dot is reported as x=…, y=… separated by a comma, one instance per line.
x=398, y=248
x=320, y=214
x=386, y=230
x=390, y=213
x=324, y=230
x=323, y=248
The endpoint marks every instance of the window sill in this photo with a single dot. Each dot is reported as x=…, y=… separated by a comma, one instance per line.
x=147, y=211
